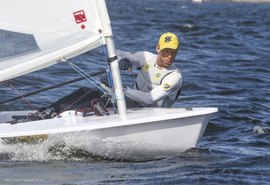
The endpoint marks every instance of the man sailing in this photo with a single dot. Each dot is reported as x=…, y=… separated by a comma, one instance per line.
x=158, y=83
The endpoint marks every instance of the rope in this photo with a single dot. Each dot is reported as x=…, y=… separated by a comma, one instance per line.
x=106, y=90
x=66, y=108
x=19, y=94
x=86, y=76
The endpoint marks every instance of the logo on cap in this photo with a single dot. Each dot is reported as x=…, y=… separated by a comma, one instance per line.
x=168, y=39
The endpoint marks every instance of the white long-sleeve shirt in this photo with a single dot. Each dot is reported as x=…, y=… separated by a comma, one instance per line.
x=155, y=86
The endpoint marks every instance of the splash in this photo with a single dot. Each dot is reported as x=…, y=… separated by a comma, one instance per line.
x=26, y=151
x=261, y=129
x=68, y=147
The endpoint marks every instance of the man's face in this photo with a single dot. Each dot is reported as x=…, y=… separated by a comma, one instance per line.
x=166, y=57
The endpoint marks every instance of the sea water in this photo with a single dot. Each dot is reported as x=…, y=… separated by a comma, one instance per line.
x=224, y=60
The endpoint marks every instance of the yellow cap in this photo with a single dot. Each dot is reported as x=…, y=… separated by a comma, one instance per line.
x=168, y=40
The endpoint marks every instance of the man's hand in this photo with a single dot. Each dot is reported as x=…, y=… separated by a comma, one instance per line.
x=124, y=64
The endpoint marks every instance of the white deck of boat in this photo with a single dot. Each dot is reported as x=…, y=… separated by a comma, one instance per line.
x=71, y=123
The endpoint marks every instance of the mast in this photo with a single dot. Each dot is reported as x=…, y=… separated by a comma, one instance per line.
x=120, y=98
x=108, y=36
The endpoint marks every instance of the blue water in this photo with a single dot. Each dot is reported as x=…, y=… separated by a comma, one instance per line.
x=224, y=59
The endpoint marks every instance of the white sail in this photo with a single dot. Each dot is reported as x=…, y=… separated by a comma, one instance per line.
x=61, y=28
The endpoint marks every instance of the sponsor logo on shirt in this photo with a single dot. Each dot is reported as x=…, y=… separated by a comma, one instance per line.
x=166, y=86
x=146, y=67
x=157, y=75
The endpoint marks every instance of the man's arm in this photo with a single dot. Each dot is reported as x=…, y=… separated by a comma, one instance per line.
x=170, y=84
x=138, y=59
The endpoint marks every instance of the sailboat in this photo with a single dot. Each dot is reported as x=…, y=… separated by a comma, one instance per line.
x=62, y=30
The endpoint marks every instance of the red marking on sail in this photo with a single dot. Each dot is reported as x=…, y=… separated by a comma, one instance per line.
x=82, y=26
x=79, y=16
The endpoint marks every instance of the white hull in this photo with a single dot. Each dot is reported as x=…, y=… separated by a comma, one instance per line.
x=144, y=134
